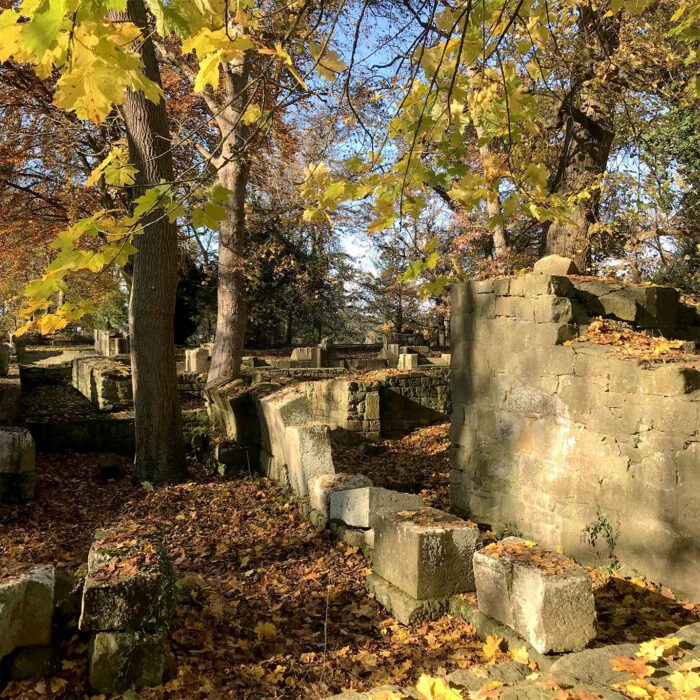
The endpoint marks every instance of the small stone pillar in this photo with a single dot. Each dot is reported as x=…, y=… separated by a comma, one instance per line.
x=409, y=360
x=197, y=360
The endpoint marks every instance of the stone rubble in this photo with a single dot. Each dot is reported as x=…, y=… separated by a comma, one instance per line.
x=128, y=603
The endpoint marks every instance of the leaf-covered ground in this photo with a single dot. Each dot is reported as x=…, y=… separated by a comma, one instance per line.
x=269, y=607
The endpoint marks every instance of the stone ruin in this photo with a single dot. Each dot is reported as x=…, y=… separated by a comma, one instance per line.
x=110, y=343
x=126, y=606
x=17, y=449
x=561, y=437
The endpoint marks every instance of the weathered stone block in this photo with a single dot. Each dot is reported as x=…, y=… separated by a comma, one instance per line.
x=17, y=465
x=322, y=486
x=535, y=285
x=553, y=309
x=657, y=306
x=555, y=265
x=26, y=608
x=197, y=360
x=120, y=661
x=276, y=411
x=669, y=380
x=483, y=286
x=425, y=552
x=409, y=361
x=360, y=507
x=544, y=596
x=405, y=608
x=303, y=354
x=308, y=454
x=129, y=583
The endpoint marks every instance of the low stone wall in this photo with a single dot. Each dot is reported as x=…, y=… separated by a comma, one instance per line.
x=106, y=382
x=568, y=442
x=391, y=406
x=190, y=385
x=10, y=393
x=85, y=435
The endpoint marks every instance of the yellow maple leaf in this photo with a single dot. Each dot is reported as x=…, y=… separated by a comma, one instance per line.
x=492, y=646
x=436, y=689
x=265, y=630
x=655, y=649
x=685, y=683
x=520, y=655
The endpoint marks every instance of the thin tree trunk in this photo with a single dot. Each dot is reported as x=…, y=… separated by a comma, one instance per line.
x=588, y=112
x=159, y=452
x=233, y=172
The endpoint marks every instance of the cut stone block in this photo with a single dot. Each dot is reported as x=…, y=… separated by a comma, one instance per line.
x=303, y=354
x=120, y=661
x=361, y=507
x=425, y=552
x=405, y=608
x=658, y=306
x=276, y=411
x=26, y=608
x=17, y=465
x=553, y=309
x=535, y=284
x=308, y=455
x=542, y=595
x=129, y=583
x=408, y=361
x=555, y=265
x=197, y=360
x=322, y=486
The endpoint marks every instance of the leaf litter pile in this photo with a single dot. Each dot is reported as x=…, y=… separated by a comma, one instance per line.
x=624, y=341
x=269, y=607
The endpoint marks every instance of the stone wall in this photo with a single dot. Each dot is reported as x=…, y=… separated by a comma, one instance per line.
x=10, y=392
x=106, y=382
x=408, y=401
x=390, y=406
x=558, y=438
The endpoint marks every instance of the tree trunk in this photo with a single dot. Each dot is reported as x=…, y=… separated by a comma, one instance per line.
x=588, y=113
x=159, y=453
x=233, y=171
x=289, y=327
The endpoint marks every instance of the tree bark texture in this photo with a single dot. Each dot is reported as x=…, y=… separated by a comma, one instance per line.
x=588, y=115
x=233, y=171
x=159, y=451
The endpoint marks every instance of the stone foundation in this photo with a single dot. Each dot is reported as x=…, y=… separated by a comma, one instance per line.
x=563, y=439
x=106, y=382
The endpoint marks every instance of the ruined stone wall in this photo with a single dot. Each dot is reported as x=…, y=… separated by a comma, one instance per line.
x=106, y=382
x=556, y=438
x=10, y=392
x=415, y=399
x=347, y=405
x=390, y=406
